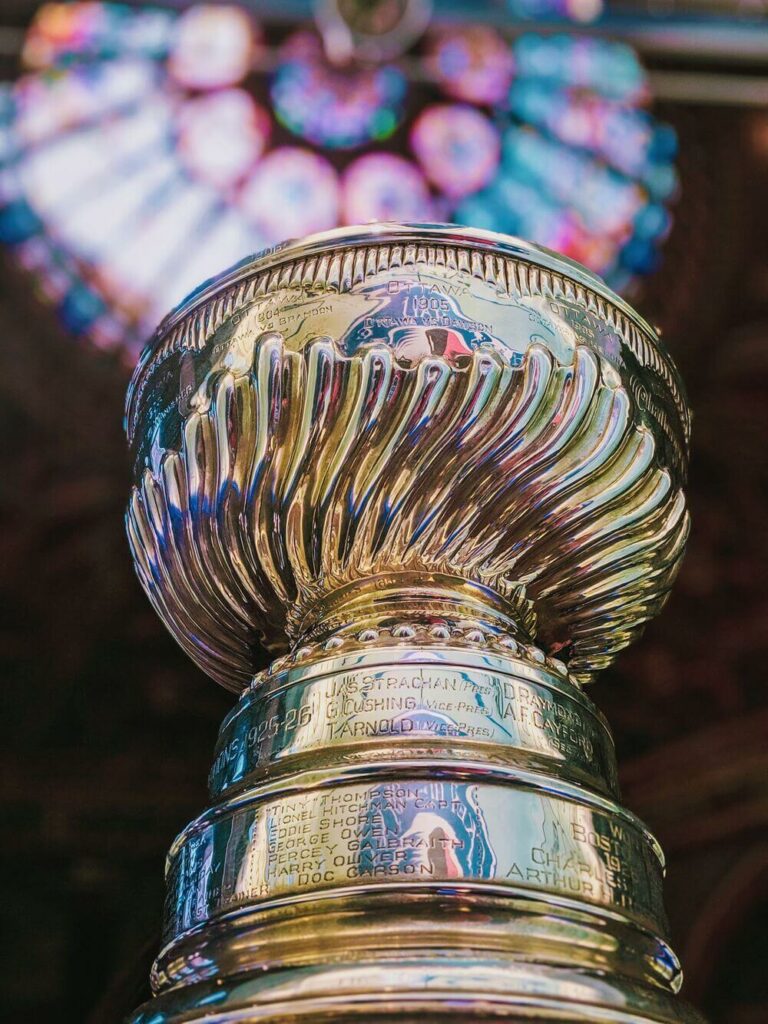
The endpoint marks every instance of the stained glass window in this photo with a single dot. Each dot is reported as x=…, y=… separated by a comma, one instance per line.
x=145, y=150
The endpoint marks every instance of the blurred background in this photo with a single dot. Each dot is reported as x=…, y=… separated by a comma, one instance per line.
x=145, y=148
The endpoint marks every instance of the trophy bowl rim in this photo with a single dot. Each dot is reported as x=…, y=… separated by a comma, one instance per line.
x=383, y=232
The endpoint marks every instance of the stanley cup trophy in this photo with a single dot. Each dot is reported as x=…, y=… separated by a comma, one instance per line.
x=437, y=473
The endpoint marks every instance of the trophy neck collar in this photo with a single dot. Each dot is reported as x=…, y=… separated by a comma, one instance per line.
x=408, y=600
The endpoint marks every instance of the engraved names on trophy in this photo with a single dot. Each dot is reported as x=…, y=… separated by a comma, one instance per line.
x=413, y=831
x=425, y=705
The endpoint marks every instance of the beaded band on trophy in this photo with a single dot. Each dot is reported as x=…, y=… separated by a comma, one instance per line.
x=438, y=473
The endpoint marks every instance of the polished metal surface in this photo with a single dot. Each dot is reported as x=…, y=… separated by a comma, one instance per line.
x=439, y=474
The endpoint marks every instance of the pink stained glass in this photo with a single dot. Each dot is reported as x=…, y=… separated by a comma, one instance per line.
x=291, y=191
x=213, y=46
x=222, y=135
x=472, y=63
x=457, y=146
x=382, y=186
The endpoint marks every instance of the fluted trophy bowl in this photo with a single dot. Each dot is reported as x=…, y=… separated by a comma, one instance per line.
x=438, y=474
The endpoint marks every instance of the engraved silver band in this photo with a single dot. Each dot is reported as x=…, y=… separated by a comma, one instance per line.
x=388, y=704
x=513, y=831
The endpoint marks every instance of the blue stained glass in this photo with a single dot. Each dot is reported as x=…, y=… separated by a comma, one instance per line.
x=18, y=222
x=80, y=308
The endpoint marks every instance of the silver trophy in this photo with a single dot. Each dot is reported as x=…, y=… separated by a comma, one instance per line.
x=439, y=474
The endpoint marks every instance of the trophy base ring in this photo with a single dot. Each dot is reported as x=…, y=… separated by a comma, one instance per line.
x=476, y=920
x=443, y=989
